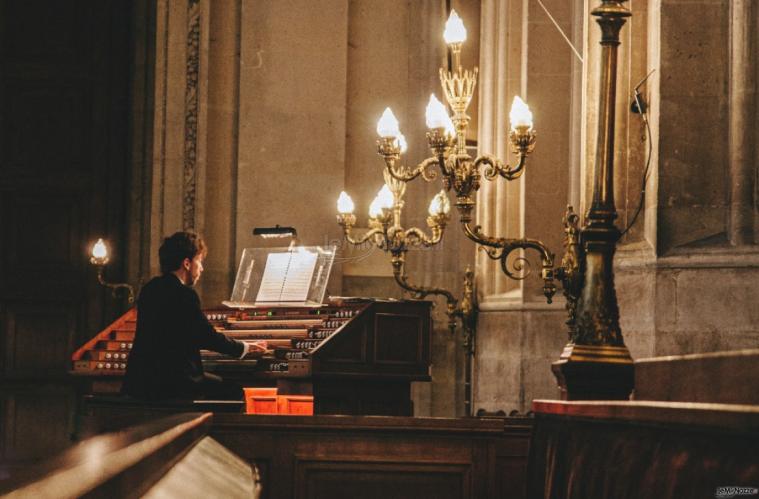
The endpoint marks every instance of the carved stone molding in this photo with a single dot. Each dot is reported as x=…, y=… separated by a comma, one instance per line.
x=191, y=115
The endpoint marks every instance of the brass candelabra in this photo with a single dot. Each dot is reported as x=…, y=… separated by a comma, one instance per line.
x=446, y=138
x=387, y=233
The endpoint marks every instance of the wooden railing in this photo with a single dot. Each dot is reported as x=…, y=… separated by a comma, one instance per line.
x=643, y=450
x=147, y=460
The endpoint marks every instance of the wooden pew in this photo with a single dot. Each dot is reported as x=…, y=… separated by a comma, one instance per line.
x=170, y=457
x=643, y=450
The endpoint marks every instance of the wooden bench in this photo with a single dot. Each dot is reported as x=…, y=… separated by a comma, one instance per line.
x=170, y=457
x=103, y=413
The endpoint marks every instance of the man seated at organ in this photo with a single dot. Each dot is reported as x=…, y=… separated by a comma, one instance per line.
x=165, y=360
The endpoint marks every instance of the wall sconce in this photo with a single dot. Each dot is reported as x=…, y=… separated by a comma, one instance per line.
x=100, y=259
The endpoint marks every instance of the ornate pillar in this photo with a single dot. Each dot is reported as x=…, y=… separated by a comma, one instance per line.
x=596, y=363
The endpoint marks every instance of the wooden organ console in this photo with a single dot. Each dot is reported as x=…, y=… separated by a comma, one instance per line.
x=355, y=356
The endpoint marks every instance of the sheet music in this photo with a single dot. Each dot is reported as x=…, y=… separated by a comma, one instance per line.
x=287, y=277
x=298, y=278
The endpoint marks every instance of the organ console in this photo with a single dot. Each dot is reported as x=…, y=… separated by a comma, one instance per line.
x=354, y=356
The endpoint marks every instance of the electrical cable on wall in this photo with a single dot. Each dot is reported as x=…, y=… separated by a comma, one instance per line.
x=638, y=106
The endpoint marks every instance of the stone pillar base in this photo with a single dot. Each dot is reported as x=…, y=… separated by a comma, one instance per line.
x=587, y=372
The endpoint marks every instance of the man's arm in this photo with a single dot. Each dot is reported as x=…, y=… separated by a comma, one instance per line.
x=208, y=338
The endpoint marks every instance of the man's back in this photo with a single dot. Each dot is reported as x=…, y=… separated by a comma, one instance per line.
x=171, y=330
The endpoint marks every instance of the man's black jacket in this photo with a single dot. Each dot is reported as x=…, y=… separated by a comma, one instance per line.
x=171, y=329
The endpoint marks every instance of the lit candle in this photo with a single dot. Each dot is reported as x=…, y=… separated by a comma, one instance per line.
x=345, y=204
x=440, y=205
x=520, y=114
x=455, y=32
x=387, y=126
x=436, y=115
x=386, y=198
x=402, y=143
x=375, y=210
x=434, y=209
x=99, y=250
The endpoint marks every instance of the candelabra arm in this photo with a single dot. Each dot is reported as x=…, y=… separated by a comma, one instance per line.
x=495, y=167
x=416, y=237
x=407, y=174
x=499, y=248
x=348, y=220
x=116, y=286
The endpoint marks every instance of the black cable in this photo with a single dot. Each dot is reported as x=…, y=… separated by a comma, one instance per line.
x=642, y=110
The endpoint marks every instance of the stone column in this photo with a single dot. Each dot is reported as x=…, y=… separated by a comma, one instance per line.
x=742, y=122
x=522, y=53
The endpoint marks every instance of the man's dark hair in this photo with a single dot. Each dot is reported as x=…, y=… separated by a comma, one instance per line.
x=177, y=247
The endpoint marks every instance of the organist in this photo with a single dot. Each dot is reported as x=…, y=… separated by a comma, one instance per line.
x=165, y=359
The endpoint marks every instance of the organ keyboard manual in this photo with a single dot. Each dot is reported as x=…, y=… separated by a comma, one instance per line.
x=353, y=355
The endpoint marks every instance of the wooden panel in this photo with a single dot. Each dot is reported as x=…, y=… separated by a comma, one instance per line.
x=378, y=457
x=63, y=151
x=38, y=339
x=45, y=234
x=397, y=339
x=348, y=348
x=38, y=421
x=59, y=113
x=399, y=480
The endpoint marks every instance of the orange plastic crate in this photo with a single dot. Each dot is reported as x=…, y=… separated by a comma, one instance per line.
x=296, y=404
x=260, y=400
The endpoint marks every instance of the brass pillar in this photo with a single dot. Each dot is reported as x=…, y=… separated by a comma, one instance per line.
x=595, y=363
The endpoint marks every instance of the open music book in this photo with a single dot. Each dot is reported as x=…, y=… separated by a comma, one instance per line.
x=292, y=276
x=287, y=277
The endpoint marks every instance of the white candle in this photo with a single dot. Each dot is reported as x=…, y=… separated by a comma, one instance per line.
x=520, y=114
x=387, y=126
x=99, y=250
x=455, y=32
x=345, y=204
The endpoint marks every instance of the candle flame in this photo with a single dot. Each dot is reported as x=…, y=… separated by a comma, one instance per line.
x=520, y=114
x=455, y=32
x=440, y=205
x=387, y=126
x=99, y=249
x=345, y=204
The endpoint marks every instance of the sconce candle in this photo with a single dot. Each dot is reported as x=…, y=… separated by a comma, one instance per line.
x=99, y=253
x=387, y=126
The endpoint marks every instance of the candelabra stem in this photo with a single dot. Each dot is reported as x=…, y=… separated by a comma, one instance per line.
x=115, y=287
x=420, y=292
x=596, y=364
